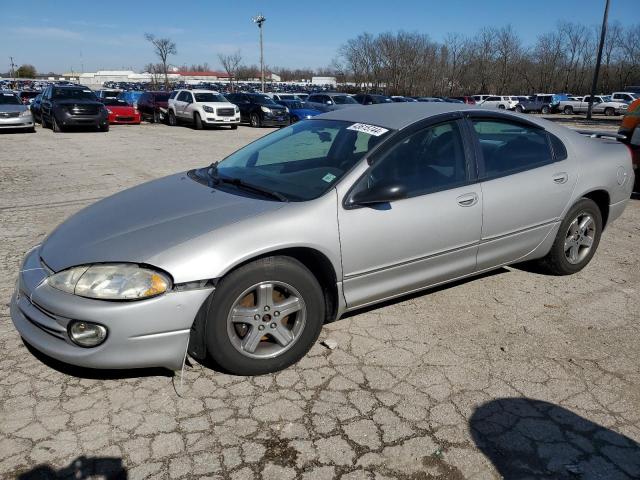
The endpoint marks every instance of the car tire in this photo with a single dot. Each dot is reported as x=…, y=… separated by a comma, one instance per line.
x=501, y=107
x=609, y=111
x=226, y=340
x=255, y=121
x=43, y=123
x=197, y=121
x=519, y=109
x=293, y=119
x=173, y=121
x=571, y=239
x=55, y=126
x=234, y=127
x=568, y=110
x=103, y=128
x=156, y=117
x=545, y=110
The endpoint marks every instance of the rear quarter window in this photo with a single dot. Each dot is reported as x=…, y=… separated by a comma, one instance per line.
x=559, y=150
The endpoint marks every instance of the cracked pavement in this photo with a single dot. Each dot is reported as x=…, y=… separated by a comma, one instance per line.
x=512, y=374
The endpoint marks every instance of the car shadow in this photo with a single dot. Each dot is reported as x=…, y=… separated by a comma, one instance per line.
x=532, y=439
x=422, y=293
x=94, y=373
x=106, y=468
x=13, y=131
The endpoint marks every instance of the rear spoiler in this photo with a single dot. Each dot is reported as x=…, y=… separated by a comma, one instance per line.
x=592, y=134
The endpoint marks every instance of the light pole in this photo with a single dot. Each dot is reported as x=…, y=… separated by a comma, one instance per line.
x=259, y=20
x=603, y=34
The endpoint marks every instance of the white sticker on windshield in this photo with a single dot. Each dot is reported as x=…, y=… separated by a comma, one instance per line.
x=329, y=177
x=366, y=128
x=86, y=91
x=8, y=94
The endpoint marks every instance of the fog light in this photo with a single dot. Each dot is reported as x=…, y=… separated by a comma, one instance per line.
x=87, y=334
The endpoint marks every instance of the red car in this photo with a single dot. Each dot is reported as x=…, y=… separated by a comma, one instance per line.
x=121, y=112
x=467, y=100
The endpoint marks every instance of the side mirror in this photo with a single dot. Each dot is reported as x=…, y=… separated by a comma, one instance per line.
x=384, y=193
x=329, y=102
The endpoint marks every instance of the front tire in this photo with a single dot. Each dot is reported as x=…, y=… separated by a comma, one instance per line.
x=546, y=110
x=234, y=127
x=576, y=241
x=255, y=120
x=172, y=119
x=609, y=112
x=197, y=121
x=264, y=317
x=519, y=109
x=55, y=125
x=568, y=110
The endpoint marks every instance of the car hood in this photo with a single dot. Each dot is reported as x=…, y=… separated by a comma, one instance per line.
x=121, y=109
x=305, y=111
x=76, y=101
x=218, y=104
x=13, y=108
x=140, y=223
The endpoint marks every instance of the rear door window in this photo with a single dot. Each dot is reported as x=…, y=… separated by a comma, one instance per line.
x=509, y=147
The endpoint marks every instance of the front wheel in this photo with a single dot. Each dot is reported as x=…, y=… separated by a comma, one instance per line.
x=568, y=110
x=197, y=121
x=104, y=127
x=55, y=125
x=501, y=107
x=609, y=112
x=234, y=127
x=172, y=119
x=264, y=316
x=255, y=120
x=576, y=241
x=519, y=109
x=546, y=110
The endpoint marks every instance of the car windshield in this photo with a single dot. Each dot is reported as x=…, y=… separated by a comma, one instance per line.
x=114, y=102
x=209, y=97
x=9, y=99
x=161, y=97
x=263, y=100
x=606, y=98
x=294, y=104
x=298, y=163
x=343, y=100
x=73, y=94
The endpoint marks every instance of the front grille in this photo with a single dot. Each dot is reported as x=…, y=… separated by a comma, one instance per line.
x=83, y=110
x=124, y=119
x=226, y=112
x=9, y=114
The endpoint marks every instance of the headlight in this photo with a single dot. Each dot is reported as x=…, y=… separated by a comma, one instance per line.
x=121, y=281
x=109, y=111
x=207, y=109
x=237, y=110
x=265, y=109
x=286, y=109
x=26, y=113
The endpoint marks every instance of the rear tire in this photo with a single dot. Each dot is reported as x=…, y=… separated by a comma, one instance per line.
x=501, y=107
x=609, y=112
x=43, y=123
x=568, y=110
x=545, y=110
x=197, y=121
x=519, y=109
x=226, y=340
x=571, y=238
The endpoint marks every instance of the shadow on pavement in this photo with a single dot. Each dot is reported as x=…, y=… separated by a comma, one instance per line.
x=531, y=439
x=94, y=373
x=107, y=468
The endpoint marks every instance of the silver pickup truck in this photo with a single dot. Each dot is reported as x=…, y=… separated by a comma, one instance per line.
x=601, y=104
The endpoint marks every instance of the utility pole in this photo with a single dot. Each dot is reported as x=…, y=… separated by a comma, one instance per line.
x=13, y=69
x=603, y=34
x=259, y=20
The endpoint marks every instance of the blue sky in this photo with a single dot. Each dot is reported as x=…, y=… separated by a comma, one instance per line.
x=59, y=35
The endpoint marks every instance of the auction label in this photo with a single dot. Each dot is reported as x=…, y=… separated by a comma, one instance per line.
x=370, y=129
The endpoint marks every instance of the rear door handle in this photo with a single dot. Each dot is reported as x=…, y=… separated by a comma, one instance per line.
x=467, y=200
x=561, y=177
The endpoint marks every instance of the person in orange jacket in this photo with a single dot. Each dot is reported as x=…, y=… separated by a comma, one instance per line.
x=630, y=128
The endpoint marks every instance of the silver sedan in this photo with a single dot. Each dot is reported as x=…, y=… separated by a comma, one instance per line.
x=243, y=261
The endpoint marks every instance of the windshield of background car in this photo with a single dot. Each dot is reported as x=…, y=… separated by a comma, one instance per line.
x=263, y=100
x=343, y=100
x=300, y=162
x=9, y=99
x=114, y=102
x=73, y=94
x=294, y=104
x=606, y=98
x=161, y=97
x=209, y=97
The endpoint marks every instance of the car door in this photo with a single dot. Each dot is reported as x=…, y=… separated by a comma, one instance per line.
x=45, y=107
x=526, y=186
x=491, y=102
x=427, y=238
x=181, y=104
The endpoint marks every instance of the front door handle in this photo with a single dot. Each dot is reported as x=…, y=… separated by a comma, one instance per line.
x=467, y=200
x=561, y=177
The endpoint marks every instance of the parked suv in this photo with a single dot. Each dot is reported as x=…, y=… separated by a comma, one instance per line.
x=72, y=106
x=371, y=99
x=501, y=102
x=326, y=102
x=601, y=104
x=260, y=110
x=626, y=97
x=540, y=103
x=202, y=107
x=153, y=106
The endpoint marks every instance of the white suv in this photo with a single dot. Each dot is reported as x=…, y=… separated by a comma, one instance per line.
x=202, y=107
x=501, y=102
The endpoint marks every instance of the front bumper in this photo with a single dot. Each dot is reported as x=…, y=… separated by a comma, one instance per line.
x=67, y=119
x=17, y=122
x=212, y=119
x=116, y=119
x=269, y=121
x=146, y=333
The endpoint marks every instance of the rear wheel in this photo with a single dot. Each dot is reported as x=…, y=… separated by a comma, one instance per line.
x=255, y=120
x=546, y=109
x=519, y=109
x=576, y=241
x=568, y=110
x=609, y=112
x=501, y=107
x=197, y=121
x=265, y=316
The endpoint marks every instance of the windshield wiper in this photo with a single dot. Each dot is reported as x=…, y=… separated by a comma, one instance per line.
x=212, y=171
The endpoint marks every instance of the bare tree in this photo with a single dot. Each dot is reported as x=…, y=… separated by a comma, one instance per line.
x=163, y=48
x=231, y=63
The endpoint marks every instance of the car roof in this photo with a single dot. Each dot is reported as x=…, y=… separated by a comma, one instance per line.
x=395, y=116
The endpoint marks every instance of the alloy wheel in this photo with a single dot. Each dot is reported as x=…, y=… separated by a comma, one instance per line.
x=579, y=238
x=266, y=319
